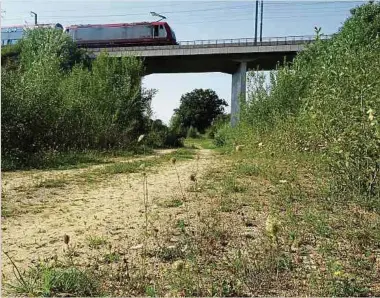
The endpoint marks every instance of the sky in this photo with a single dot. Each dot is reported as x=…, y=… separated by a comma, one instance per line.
x=190, y=20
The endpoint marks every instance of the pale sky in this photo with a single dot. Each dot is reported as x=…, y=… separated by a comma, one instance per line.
x=193, y=20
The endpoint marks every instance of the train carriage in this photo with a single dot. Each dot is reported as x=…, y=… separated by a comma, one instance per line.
x=124, y=34
x=12, y=34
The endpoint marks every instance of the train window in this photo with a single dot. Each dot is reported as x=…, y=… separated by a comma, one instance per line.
x=161, y=27
x=155, y=31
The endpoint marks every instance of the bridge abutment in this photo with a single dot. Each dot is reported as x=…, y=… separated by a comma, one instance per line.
x=238, y=91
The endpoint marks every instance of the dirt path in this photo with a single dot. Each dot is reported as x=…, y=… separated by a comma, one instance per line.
x=111, y=209
x=23, y=179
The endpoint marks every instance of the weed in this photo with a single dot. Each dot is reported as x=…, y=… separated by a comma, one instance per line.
x=150, y=291
x=54, y=279
x=248, y=169
x=171, y=253
x=231, y=185
x=96, y=241
x=53, y=183
x=229, y=205
x=112, y=257
x=174, y=202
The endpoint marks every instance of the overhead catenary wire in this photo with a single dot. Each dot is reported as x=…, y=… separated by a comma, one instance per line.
x=269, y=8
x=287, y=14
x=145, y=13
x=247, y=19
x=208, y=18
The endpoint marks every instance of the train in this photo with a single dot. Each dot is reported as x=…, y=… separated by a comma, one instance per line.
x=12, y=34
x=103, y=35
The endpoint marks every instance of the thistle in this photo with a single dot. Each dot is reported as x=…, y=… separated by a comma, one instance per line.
x=66, y=239
x=192, y=177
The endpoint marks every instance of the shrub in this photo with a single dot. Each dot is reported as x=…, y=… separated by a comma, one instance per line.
x=53, y=101
x=327, y=101
x=192, y=132
x=222, y=136
x=217, y=123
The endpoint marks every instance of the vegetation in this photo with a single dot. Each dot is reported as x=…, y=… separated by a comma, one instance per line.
x=326, y=103
x=197, y=110
x=55, y=100
x=289, y=207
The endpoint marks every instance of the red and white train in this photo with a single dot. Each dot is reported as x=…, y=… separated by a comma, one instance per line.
x=109, y=35
x=134, y=34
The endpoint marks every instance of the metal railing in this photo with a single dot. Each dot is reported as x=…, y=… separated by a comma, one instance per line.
x=287, y=40
x=238, y=42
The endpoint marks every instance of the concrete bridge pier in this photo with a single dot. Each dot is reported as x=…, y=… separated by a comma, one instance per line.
x=238, y=91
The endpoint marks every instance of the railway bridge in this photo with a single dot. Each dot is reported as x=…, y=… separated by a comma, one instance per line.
x=232, y=56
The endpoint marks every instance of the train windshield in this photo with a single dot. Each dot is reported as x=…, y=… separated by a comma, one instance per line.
x=173, y=35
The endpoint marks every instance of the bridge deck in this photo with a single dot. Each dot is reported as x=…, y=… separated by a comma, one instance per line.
x=214, y=55
x=221, y=43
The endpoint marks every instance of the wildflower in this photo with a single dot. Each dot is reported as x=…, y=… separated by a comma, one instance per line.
x=141, y=137
x=338, y=273
x=173, y=160
x=260, y=144
x=371, y=116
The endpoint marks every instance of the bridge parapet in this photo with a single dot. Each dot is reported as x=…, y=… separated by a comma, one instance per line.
x=221, y=43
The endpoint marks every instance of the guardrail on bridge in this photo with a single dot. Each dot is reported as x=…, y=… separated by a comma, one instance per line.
x=287, y=40
x=238, y=42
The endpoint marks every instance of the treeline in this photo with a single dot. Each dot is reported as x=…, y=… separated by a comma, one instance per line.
x=327, y=102
x=56, y=99
x=201, y=112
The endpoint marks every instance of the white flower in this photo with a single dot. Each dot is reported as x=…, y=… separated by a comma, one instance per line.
x=370, y=115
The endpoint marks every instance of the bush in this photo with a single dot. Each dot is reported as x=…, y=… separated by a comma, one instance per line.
x=52, y=100
x=222, y=136
x=192, y=132
x=217, y=123
x=327, y=101
x=173, y=140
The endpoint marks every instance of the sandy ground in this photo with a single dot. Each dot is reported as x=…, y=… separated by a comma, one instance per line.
x=112, y=209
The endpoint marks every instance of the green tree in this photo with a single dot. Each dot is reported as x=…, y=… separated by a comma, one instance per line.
x=198, y=109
